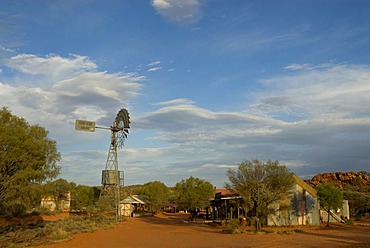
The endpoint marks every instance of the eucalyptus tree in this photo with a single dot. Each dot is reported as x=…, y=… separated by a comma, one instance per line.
x=155, y=193
x=59, y=190
x=27, y=158
x=260, y=184
x=193, y=193
x=84, y=197
x=359, y=202
x=330, y=197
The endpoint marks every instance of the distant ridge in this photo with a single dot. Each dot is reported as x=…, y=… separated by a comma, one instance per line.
x=356, y=181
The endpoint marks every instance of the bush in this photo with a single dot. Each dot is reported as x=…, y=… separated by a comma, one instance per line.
x=60, y=234
x=42, y=211
x=232, y=226
x=18, y=209
x=349, y=222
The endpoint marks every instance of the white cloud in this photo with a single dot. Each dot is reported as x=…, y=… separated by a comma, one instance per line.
x=113, y=86
x=72, y=89
x=227, y=166
x=89, y=113
x=7, y=94
x=154, y=69
x=178, y=101
x=54, y=66
x=178, y=11
x=154, y=63
x=309, y=120
x=295, y=67
x=336, y=90
x=5, y=50
x=161, y=4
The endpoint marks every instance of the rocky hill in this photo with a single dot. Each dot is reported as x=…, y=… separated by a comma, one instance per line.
x=355, y=181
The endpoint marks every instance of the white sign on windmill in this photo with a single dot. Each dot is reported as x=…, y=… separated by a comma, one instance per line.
x=87, y=126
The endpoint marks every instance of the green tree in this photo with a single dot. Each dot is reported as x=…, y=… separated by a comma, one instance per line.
x=358, y=202
x=330, y=197
x=260, y=184
x=58, y=190
x=193, y=193
x=84, y=197
x=156, y=193
x=27, y=158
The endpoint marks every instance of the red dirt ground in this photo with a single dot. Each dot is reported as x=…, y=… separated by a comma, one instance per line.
x=170, y=230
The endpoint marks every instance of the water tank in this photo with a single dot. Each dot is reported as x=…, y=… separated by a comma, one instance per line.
x=110, y=177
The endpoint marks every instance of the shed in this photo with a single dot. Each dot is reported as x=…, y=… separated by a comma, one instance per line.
x=226, y=205
x=51, y=204
x=170, y=207
x=132, y=206
x=301, y=208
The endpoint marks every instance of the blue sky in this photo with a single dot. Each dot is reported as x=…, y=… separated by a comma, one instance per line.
x=207, y=83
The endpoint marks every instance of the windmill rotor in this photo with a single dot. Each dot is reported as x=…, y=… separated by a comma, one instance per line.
x=122, y=125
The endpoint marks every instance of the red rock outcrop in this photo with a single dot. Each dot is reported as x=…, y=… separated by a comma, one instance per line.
x=344, y=180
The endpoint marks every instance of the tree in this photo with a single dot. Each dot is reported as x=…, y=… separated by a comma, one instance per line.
x=58, y=190
x=84, y=197
x=193, y=193
x=27, y=158
x=260, y=184
x=330, y=197
x=156, y=193
x=358, y=202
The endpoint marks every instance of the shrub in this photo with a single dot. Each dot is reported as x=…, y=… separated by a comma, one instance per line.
x=349, y=222
x=60, y=234
x=18, y=209
x=232, y=226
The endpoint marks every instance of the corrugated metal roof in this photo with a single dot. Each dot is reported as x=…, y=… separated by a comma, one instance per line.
x=133, y=199
x=223, y=191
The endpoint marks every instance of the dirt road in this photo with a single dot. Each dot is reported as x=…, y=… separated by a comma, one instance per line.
x=170, y=230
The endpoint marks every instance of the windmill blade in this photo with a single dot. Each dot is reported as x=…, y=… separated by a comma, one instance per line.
x=121, y=139
x=123, y=122
x=123, y=116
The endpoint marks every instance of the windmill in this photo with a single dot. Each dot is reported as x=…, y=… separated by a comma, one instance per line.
x=112, y=178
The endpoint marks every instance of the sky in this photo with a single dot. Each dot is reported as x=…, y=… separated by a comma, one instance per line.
x=207, y=83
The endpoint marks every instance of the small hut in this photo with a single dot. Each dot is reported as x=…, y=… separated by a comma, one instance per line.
x=52, y=204
x=132, y=206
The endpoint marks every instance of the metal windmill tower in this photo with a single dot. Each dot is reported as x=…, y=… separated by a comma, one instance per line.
x=112, y=178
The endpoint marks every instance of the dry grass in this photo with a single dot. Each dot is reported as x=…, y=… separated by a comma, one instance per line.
x=34, y=233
